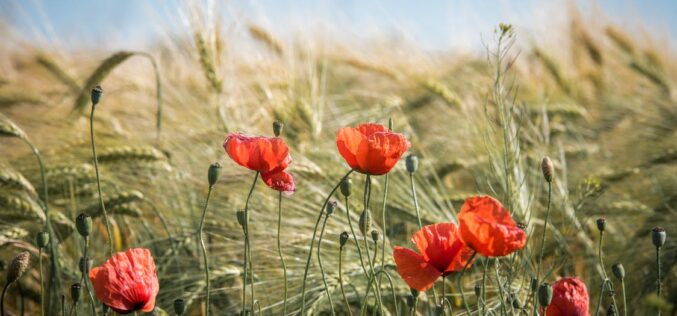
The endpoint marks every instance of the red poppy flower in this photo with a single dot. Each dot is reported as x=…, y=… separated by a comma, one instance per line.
x=262, y=154
x=280, y=181
x=487, y=227
x=371, y=148
x=569, y=298
x=127, y=282
x=441, y=252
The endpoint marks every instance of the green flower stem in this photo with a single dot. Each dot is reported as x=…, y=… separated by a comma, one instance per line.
x=413, y=308
x=413, y=195
x=2, y=299
x=54, y=287
x=367, y=197
x=340, y=272
x=205, y=259
x=248, y=266
x=625, y=303
x=383, y=226
x=606, y=281
x=352, y=231
x=319, y=260
x=500, y=289
x=444, y=292
x=86, y=280
x=540, y=256
x=484, y=286
x=460, y=284
x=312, y=241
x=279, y=250
x=42, y=285
x=370, y=284
x=98, y=182
x=658, y=276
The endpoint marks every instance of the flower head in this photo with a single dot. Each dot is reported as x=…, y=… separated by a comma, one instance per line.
x=487, y=227
x=570, y=297
x=442, y=252
x=371, y=148
x=263, y=154
x=127, y=282
x=280, y=181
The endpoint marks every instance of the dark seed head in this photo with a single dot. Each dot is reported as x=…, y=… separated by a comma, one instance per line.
x=611, y=311
x=411, y=162
x=76, y=290
x=414, y=292
x=618, y=271
x=97, y=92
x=42, y=239
x=84, y=224
x=85, y=264
x=516, y=303
x=374, y=235
x=214, y=173
x=410, y=301
x=346, y=187
x=478, y=289
x=277, y=128
x=534, y=284
x=601, y=224
x=544, y=294
x=522, y=226
x=547, y=168
x=343, y=238
x=658, y=236
x=179, y=306
x=240, y=218
x=330, y=207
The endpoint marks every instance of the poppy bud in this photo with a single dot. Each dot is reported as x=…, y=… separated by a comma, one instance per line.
x=214, y=173
x=547, y=168
x=374, y=235
x=618, y=271
x=330, y=207
x=411, y=162
x=545, y=294
x=516, y=304
x=18, y=266
x=42, y=239
x=390, y=123
x=601, y=224
x=658, y=236
x=478, y=289
x=343, y=238
x=84, y=224
x=611, y=311
x=410, y=301
x=365, y=222
x=76, y=289
x=85, y=264
x=277, y=128
x=534, y=284
x=346, y=186
x=179, y=306
x=240, y=218
x=97, y=92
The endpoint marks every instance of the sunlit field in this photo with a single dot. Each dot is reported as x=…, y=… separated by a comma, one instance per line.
x=239, y=169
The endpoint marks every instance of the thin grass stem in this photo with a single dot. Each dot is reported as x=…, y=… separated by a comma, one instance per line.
x=98, y=181
x=319, y=260
x=205, y=258
x=279, y=251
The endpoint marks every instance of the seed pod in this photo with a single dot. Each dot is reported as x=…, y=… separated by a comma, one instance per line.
x=330, y=207
x=544, y=294
x=343, y=238
x=619, y=271
x=18, y=266
x=85, y=264
x=547, y=168
x=410, y=301
x=76, y=290
x=478, y=289
x=240, y=218
x=522, y=226
x=346, y=187
x=84, y=224
x=516, y=304
x=214, y=173
x=277, y=128
x=611, y=311
x=365, y=222
x=179, y=306
x=658, y=236
x=601, y=224
x=534, y=284
x=374, y=235
x=97, y=92
x=411, y=162
x=42, y=239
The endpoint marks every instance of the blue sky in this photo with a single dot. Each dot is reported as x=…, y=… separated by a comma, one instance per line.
x=435, y=24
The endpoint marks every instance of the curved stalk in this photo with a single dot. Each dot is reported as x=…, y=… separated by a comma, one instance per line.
x=500, y=289
x=319, y=260
x=98, y=181
x=340, y=272
x=540, y=256
x=367, y=197
x=658, y=275
x=625, y=303
x=413, y=195
x=312, y=241
x=383, y=226
x=42, y=284
x=392, y=292
x=86, y=280
x=2, y=299
x=205, y=259
x=247, y=251
x=460, y=284
x=279, y=250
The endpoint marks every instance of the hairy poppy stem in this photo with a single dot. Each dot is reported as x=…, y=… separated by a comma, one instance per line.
x=500, y=288
x=319, y=260
x=658, y=276
x=42, y=284
x=540, y=256
x=86, y=280
x=625, y=303
x=205, y=259
x=248, y=266
x=484, y=286
x=460, y=284
x=385, y=230
x=279, y=250
x=606, y=280
x=340, y=275
x=370, y=284
x=413, y=308
x=98, y=181
x=413, y=195
x=352, y=231
x=312, y=241
x=444, y=292
x=367, y=197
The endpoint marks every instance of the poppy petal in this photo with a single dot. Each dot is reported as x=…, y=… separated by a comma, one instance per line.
x=262, y=154
x=348, y=141
x=487, y=227
x=440, y=246
x=379, y=153
x=570, y=297
x=280, y=181
x=417, y=273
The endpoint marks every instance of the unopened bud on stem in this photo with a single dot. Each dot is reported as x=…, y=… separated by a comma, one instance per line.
x=547, y=168
x=213, y=173
x=277, y=128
